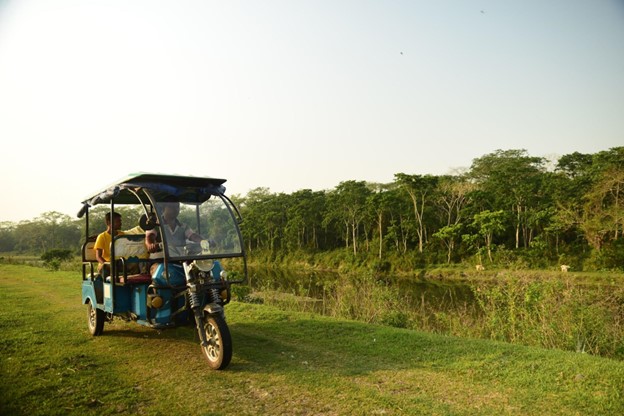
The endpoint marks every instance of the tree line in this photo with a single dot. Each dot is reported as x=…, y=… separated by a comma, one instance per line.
x=508, y=208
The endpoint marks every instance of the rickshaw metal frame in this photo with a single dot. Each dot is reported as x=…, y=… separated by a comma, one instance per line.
x=180, y=186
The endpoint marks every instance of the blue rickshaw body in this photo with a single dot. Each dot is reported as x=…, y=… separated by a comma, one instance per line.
x=166, y=271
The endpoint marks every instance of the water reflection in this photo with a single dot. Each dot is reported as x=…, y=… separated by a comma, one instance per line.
x=433, y=294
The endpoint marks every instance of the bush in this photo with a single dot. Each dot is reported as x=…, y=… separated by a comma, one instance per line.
x=59, y=254
x=552, y=313
x=52, y=259
x=611, y=257
x=381, y=266
x=241, y=292
x=395, y=318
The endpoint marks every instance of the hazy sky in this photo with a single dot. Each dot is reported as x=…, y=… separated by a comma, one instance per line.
x=292, y=94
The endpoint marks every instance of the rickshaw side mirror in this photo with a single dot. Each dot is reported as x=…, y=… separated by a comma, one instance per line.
x=147, y=222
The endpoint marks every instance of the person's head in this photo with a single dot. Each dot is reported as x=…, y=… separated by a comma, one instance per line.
x=115, y=224
x=170, y=208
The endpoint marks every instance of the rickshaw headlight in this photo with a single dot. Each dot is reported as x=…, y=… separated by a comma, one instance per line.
x=157, y=302
x=154, y=301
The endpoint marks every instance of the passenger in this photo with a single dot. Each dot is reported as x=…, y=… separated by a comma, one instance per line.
x=104, y=239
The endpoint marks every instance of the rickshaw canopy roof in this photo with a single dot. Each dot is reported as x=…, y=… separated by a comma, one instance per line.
x=188, y=189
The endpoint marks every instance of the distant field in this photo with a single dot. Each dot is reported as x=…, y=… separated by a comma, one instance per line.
x=284, y=364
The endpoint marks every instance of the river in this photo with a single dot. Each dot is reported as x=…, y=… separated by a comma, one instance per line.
x=446, y=295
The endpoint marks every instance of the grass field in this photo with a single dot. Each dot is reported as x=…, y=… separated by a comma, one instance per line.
x=284, y=363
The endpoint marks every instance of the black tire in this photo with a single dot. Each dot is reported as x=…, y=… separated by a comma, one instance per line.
x=95, y=320
x=218, y=352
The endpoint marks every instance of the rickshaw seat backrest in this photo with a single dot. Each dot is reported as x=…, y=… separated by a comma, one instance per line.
x=131, y=245
x=132, y=253
x=88, y=252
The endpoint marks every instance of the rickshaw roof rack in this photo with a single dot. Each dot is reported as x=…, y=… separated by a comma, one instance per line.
x=188, y=189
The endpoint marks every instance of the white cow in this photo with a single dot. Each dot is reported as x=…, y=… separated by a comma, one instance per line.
x=479, y=267
x=564, y=268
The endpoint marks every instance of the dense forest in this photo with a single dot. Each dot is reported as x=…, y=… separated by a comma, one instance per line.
x=509, y=209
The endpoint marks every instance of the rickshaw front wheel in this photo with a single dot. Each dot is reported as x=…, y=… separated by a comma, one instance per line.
x=218, y=352
x=95, y=319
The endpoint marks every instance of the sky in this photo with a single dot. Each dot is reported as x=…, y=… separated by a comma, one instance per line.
x=293, y=94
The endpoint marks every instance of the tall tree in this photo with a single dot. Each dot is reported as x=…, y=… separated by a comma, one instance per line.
x=348, y=205
x=419, y=188
x=489, y=223
x=255, y=208
x=603, y=213
x=304, y=216
x=449, y=234
x=7, y=236
x=512, y=180
x=452, y=196
x=380, y=203
x=591, y=195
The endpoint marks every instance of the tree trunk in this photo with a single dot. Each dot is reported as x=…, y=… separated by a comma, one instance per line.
x=380, y=221
x=517, y=227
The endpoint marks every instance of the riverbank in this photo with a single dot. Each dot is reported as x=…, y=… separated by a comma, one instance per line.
x=569, y=311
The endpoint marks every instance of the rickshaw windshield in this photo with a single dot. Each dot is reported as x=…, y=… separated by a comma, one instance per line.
x=198, y=230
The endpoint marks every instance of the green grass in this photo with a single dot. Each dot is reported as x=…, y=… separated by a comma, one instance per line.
x=284, y=363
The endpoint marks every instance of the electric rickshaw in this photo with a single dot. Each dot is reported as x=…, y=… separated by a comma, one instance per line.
x=182, y=281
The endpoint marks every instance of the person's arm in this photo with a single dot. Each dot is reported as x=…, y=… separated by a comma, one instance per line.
x=190, y=234
x=98, y=256
x=99, y=245
x=150, y=242
x=196, y=238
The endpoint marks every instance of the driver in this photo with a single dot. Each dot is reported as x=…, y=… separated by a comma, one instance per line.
x=176, y=232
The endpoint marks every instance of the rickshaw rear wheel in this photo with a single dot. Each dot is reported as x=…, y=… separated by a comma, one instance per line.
x=218, y=352
x=95, y=319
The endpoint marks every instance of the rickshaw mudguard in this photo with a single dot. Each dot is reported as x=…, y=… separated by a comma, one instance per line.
x=89, y=293
x=213, y=309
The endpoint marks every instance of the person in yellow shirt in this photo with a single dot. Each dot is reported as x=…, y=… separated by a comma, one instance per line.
x=103, y=240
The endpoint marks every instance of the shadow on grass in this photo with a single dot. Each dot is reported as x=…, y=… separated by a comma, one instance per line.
x=349, y=348
x=288, y=346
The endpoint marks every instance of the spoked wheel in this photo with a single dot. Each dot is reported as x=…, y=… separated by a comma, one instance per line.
x=95, y=319
x=218, y=352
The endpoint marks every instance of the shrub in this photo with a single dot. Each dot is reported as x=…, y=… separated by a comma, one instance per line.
x=395, y=318
x=241, y=292
x=53, y=258
x=552, y=313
